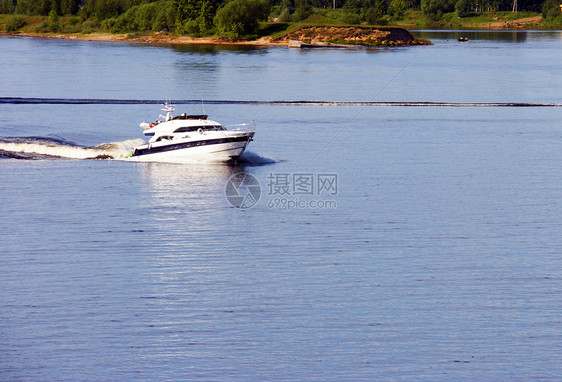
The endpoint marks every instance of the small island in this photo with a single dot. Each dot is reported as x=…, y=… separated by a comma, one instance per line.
x=346, y=36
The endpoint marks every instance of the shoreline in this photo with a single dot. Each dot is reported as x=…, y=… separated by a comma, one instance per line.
x=166, y=38
x=157, y=38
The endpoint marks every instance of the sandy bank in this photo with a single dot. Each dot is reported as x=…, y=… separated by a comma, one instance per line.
x=331, y=36
x=153, y=38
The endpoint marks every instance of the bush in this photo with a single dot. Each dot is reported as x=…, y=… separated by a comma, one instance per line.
x=240, y=17
x=374, y=19
x=90, y=26
x=351, y=18
x=74, y=20
x=43, y=27
x=109, y=24
x=554, y=19
x=73, y=25
x=54, y=25
x=191, y=27
x=15, y=23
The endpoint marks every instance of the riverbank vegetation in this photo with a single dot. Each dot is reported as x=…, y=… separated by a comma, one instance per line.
x=251, y=19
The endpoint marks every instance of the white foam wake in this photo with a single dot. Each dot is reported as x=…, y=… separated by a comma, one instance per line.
x=114, y=150
x=44, y=148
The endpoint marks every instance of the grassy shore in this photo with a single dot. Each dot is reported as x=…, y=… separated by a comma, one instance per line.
x=484, y=20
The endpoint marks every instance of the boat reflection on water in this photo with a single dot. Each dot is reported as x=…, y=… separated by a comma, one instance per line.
x=187, y=201
x=174, y=187
x=180, y=197
x=186, y=221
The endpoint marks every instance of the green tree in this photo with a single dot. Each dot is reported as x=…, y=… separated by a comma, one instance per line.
x=54, y=24
x=397, y=8
x=105, y=9
x=551, y=9
x=166, y=17
x=33, y=7
x=143, y=16
x=158, y=16
x=286, y=4
x=240, y=17
x=302, y=11
x=69, y=7
x=195, y=16
x=463, y=8
x=7, y=6
x=434, y=9
x=43, y=7
x=529, y=5
x=205, y=20
x=353, y=6
x=375, y=14
x=188, y=9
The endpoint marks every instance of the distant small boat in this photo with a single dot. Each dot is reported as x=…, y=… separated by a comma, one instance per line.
x=462, y=39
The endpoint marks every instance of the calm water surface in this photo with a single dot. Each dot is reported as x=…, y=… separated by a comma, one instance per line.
x=440, y=259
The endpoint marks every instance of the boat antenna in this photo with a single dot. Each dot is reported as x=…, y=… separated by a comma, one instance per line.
x=176, y=86
x=203, y=105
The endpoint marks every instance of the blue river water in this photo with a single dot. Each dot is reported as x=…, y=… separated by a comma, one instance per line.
x=388, y=242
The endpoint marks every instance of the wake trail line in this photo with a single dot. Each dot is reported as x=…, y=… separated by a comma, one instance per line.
x=106, y=101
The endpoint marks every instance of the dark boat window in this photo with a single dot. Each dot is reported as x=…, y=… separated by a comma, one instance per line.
x=164, y=137
x=186, y=129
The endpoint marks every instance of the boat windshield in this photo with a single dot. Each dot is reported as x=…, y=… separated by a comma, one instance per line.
x=185, y=116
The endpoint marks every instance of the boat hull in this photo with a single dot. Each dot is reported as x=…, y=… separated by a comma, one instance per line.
x=209, y=150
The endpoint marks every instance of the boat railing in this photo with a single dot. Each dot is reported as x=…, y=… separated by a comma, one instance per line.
x=247, y=127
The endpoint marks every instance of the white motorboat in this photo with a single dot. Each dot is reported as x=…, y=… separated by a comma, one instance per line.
x=189, y=138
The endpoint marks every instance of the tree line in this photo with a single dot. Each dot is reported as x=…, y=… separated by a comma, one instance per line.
x=236, y=18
